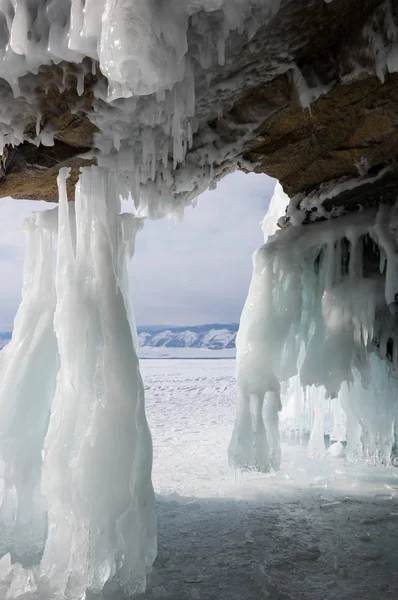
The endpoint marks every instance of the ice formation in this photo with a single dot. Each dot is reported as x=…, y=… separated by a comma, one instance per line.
x=320, y=313
x=153, y=60
x=75, y=446
x=77, y=504
x=98, y=451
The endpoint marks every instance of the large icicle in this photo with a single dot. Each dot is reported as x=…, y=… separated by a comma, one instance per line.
x=98, y=454
x=28, y=369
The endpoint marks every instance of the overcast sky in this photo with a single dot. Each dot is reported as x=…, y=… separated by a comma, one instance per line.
x=188, y=273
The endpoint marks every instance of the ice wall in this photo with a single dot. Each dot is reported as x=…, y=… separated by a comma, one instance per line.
x=321, y=311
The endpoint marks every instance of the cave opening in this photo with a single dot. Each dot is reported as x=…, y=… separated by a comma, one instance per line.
x=204, y=511
x=160, y=101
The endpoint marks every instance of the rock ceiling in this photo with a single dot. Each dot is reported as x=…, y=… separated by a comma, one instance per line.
x=307, y=100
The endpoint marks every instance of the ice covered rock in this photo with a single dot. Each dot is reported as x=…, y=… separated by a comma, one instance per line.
x=197, y=95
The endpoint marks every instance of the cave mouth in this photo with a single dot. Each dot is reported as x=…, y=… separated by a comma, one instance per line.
x=91, y=282
x=160, y=101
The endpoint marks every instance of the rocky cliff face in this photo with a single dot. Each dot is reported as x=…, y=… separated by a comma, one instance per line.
x=310, y=98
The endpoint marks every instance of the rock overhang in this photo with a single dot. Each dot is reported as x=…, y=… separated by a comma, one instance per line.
x=269, y=106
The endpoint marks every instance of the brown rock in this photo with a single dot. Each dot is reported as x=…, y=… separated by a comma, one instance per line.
x=352, y=123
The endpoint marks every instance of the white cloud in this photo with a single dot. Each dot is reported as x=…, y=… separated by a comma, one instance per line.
x=183, y=273
x=199, y=271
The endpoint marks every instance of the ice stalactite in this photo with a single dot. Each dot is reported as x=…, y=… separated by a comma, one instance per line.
x=98, y=452
x=321, y=311
x=28, y=370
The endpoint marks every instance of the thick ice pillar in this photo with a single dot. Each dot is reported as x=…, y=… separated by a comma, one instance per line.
x=98, y=454
x=28, y=370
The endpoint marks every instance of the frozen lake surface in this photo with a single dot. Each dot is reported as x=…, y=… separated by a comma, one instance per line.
x=316, y=530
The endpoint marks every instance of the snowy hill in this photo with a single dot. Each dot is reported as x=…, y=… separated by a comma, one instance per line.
x=210, y=337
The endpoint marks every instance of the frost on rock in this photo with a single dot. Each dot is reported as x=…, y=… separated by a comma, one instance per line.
x=321, y=312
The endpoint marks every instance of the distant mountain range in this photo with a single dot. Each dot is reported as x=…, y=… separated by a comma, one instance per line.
x=209, y=337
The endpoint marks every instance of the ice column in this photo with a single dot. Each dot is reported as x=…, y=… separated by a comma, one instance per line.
x=98, y=452
x=255, y=442
x=28, y=370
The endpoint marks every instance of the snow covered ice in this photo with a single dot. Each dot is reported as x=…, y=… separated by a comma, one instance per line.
x=233, y=537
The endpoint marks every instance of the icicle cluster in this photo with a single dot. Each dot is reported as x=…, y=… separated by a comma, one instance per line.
x=152, y=56
x=74, y=441
x=75, y=449
x=168, y=52
x=321, y=309
x=141, y=47
x=158, y=66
